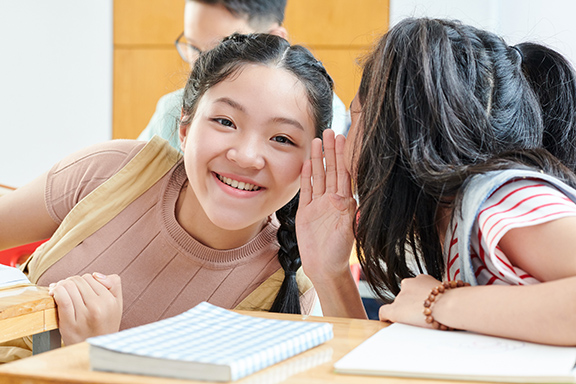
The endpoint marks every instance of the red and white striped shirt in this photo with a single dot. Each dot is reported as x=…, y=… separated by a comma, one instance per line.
x=518, y=203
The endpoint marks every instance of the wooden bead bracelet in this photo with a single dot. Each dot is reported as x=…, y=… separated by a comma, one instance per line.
x=433, y=297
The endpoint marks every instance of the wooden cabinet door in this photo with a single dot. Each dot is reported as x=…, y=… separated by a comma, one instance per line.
x=339, y=33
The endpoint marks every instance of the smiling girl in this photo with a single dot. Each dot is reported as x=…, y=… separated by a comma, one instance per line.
x=217, y=225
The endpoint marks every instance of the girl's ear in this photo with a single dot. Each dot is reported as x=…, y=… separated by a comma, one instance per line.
x=183, y=132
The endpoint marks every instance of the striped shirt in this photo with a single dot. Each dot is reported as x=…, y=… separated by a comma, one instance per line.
x=518, y=203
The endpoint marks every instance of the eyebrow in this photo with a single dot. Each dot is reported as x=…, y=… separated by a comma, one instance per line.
x=285, y=120
x=231, y=103
x=280, y=120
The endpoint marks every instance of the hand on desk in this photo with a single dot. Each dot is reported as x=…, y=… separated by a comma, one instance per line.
x=88, y=305
x=408, y=305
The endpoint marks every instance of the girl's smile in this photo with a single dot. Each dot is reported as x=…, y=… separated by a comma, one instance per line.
x=237, y=185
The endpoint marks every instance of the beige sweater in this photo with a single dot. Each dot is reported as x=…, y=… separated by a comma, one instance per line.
x=164, y=270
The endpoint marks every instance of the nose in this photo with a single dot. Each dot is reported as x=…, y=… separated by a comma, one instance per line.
x=247, y=153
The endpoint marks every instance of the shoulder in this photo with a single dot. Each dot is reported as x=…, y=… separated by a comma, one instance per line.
x=171, y=100
x=164, y=122
x=525, y=201
x=516, y=182
x=80, y=173
x=478, y=188
x=107, y=156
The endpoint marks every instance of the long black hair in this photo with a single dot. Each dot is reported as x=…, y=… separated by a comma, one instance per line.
x=441, y=101
x=227, y=58
x=552, y=78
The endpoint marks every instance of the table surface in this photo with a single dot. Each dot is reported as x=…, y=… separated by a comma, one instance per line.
x=71, y=364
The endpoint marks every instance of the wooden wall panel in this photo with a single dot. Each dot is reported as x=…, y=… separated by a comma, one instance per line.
x=336, y=22
x=147, y=66
x=141, y=77
x=147, y=22
x=342, y=66
x=338, y=32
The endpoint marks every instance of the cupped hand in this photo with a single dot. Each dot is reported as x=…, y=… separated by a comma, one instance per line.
x=408, y=306
x=326, y=211
x=88, y=305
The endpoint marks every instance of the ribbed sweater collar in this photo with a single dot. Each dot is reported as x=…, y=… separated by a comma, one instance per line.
x=190, y=246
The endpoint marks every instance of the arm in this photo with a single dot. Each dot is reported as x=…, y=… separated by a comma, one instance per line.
x=324, y=228
x=543, y=313
x=24, y=217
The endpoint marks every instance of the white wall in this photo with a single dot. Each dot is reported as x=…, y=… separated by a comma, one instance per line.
x=55, y=82
x=550, y=22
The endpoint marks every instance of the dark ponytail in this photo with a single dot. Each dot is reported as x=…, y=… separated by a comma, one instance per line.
x=288, y=298
x=553, y=80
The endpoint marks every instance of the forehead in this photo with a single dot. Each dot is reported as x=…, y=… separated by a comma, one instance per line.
x=265, y=92
x=206, y=24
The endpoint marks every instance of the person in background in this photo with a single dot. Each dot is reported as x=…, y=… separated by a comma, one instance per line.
x=461, y=151
x=215, y=223
x=206, y=22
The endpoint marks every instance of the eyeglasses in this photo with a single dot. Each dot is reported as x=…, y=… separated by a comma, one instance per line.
x=187, y=51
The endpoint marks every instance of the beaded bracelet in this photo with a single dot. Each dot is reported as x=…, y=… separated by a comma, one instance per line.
x=433, y=297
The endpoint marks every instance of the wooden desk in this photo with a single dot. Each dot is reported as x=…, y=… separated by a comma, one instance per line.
x=28, y=311
x=70, y=364
x=25, y=311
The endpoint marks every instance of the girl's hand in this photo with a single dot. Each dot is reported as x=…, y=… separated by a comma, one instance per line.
x=88, y=305
x=408, y=306
x=326, y=211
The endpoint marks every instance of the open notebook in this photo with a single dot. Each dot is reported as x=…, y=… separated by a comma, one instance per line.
x=12, y=277
x=406, y=351
x=205, y=343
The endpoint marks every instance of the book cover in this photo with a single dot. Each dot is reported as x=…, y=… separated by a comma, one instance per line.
x=407, y=351
x=205, y=343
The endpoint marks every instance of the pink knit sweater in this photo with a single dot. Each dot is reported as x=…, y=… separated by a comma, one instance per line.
x=164, y=270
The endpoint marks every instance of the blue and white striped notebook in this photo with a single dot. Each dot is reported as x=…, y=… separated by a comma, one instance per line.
x=205, y=343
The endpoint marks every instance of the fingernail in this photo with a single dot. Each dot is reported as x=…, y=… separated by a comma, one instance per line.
x=99, y=275
x=52, y=285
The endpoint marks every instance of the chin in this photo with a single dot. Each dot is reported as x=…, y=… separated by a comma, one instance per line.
x=228, y=223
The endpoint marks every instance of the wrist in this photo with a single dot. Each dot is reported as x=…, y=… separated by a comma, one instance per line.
x=331, y=277
x=339, y=296
x=430, y=303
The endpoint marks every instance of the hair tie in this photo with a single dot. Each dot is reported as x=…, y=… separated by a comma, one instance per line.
x=289, y=273
x=519, y=52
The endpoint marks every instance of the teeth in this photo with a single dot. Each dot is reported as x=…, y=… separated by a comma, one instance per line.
x=238, y=184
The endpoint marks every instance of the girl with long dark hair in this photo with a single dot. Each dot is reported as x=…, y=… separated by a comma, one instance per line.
x=461, y=152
